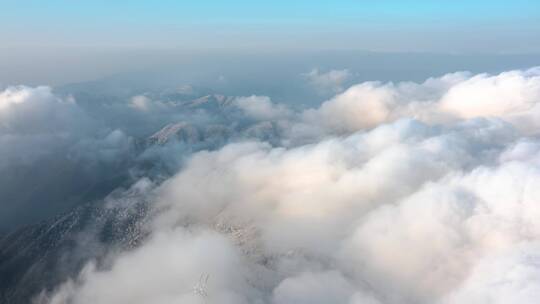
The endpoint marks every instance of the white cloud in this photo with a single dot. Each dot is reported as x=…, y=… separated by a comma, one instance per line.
x=332, y=81
x=166, y=270
x=261, y=108
x=509, y=277
x=413, y=196
x=141, y=103
x=501, y=95
x=25, y=110
x=34, y=122
x=362, y=106
x=511, y=96
x=314, y=288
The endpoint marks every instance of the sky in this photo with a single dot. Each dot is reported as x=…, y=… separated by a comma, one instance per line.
x=60, y=41
x=419, y=25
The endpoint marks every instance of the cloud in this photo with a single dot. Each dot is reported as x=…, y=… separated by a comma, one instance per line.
x=53, y=155
x=167, y=270
x=511, y=96
x=25, y=110
x=361, y=106
x=261, y=108
x=147, y=105
x=35, y=124
x=140, y=102
x=511, y=276
x=332, y=81
x=386, y=193
x=501, y=95
x=35, y=117
x=307, y=288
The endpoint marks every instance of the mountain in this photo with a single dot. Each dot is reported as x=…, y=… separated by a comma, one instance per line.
x=40, y=256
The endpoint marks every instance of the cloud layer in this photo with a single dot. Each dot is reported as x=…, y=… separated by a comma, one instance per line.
x=386, y=193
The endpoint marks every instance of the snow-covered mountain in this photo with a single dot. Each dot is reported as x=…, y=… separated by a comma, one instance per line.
x=39, y=256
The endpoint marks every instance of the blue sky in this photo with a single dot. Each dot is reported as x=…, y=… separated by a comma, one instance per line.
x=433, y=26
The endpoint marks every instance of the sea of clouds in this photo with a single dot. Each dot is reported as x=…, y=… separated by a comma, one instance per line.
x=386, y=193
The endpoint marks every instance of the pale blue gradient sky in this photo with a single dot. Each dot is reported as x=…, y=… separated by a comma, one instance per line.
x=61, y=41
x=416, y=25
